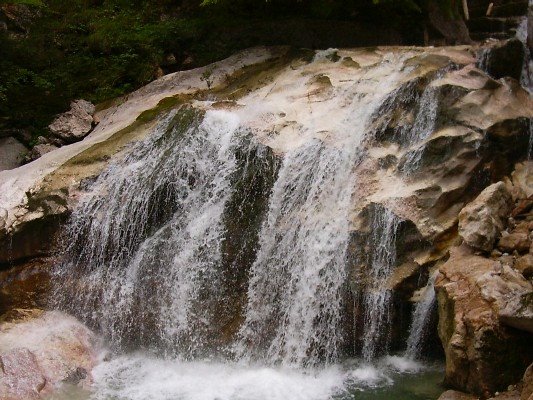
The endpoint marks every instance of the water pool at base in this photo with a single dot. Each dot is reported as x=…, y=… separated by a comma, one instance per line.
x=141, y=377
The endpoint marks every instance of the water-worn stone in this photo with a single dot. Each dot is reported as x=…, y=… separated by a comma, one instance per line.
x=39, y=350
x=74, y=124
x=482, y=220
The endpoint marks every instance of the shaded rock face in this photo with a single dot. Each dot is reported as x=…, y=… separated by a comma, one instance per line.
x=504, y=60
x=40, y=350
x=452, y=28
x=12, y=153
x=471, y=302
x=481, y=222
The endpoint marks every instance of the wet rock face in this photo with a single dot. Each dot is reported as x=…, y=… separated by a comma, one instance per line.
x=40, y=350
x=481, y=221
x=505, y=60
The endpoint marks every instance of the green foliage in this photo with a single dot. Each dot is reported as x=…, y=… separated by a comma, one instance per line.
x=101, y=49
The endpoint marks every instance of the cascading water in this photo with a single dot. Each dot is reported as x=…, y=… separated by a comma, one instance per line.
x=146, y=243
x=526, y=77
x=169, y=252
x=421, y=316
x=424, y=125
x=376, y=297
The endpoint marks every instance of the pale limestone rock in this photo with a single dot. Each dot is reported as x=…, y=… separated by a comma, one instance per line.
x=482, y=220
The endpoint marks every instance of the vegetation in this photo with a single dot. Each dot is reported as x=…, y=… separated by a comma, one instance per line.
x=101, y=49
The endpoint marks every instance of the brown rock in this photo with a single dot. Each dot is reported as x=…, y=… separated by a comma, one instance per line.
x=38, y=151
x=518, y=241
x=471, y=291
x=524, y=264
x=25, y=286
x=522, y=177
x=482, y=220
x=523, y=207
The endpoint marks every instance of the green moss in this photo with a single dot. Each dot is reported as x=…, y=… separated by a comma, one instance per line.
x=166, y=104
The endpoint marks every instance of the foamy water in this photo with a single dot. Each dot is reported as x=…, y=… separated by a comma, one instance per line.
x=144, y=377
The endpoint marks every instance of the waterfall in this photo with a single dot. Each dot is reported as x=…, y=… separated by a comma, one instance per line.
x=376, y=297
x=145, y=244
x=423, y=126
x=420, y=319
x=170, y=251
x=297, y=286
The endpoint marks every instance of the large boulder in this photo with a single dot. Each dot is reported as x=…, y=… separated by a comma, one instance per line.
x=74, y=124
x=475, y=295
x=482, y=220
x=40, y=350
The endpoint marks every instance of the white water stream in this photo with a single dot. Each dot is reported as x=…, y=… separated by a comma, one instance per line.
x=147, y=260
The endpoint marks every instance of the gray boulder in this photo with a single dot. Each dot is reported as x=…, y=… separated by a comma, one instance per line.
x=74, y=124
